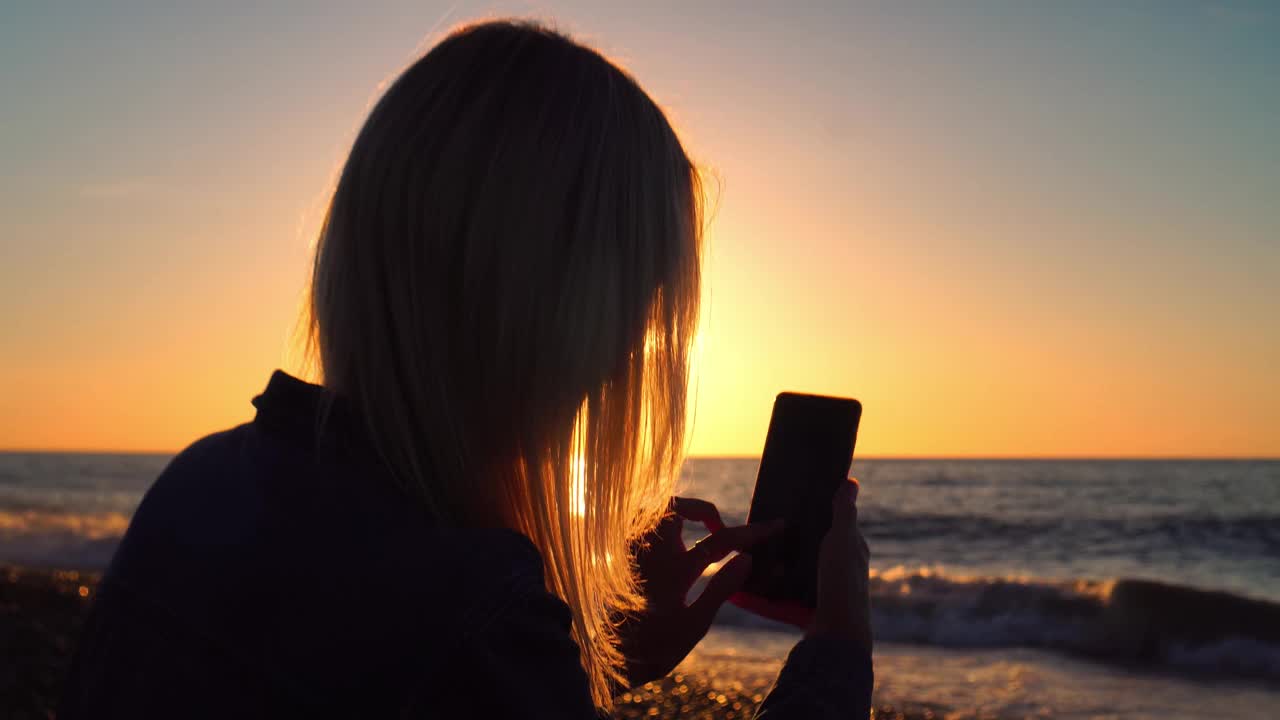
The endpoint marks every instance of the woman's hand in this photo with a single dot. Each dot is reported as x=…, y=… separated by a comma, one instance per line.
x=844, y=607
x=655, y=641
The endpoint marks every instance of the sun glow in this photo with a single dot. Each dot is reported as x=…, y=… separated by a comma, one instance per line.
x=929, y=232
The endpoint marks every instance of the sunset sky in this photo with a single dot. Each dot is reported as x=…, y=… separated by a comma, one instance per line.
x=1009, y=230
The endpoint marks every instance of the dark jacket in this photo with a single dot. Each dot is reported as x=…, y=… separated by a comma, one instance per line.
x=273, y=570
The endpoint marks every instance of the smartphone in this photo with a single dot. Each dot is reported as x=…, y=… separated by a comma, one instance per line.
x=807, y=455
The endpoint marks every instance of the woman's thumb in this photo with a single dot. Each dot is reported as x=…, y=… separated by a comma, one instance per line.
x=844, y=505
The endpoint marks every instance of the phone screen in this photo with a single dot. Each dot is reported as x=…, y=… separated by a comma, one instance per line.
x=807, y=455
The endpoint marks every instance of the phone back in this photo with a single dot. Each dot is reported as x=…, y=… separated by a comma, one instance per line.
x=806, y=456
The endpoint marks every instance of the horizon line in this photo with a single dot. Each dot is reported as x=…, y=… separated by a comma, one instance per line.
x=1063, y=458
x=730, y=456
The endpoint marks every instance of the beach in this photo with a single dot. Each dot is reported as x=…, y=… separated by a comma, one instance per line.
x=40, y=616
x=1000, y=590
x=725, y=677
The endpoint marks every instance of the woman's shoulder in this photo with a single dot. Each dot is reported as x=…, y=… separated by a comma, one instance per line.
x=200, y=498
x=262, y=550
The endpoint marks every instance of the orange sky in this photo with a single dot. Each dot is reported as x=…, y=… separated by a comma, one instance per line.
x=1013, y=235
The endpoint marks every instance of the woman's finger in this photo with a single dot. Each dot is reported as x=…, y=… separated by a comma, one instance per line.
x=715, y=546
x=720, y=587
x=698, y=511
x=670, y=530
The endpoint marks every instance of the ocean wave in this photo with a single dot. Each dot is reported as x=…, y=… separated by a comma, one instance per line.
x=1257, y=530
x=90, y=526
x=1131, y=621
x=1246, y=532
x=82, y=541
x=1125, y=620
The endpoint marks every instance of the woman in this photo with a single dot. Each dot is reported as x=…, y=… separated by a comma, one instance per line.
x=472, y=516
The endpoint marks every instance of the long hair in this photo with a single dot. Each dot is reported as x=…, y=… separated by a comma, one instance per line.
x=506, y=289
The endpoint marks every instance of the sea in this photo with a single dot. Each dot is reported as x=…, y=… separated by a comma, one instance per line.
x=1000, y=588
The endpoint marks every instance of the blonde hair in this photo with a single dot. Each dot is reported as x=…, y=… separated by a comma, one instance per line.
x=506, y=289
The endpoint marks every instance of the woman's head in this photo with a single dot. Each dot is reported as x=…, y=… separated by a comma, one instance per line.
x=506, y=289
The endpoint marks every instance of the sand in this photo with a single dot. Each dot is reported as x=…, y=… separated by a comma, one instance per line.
x=40, y=616
x=41, y=612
